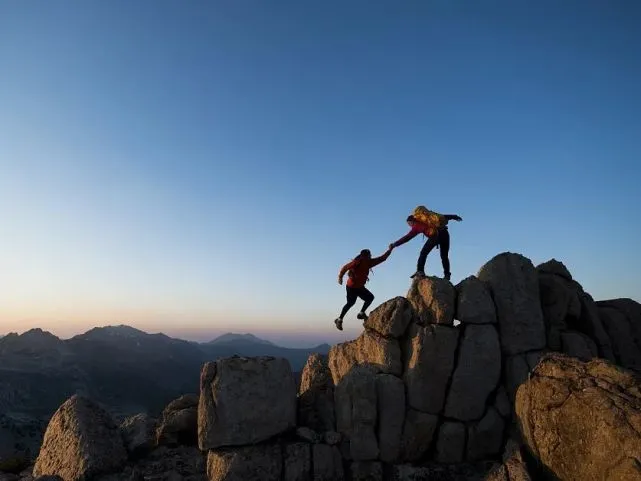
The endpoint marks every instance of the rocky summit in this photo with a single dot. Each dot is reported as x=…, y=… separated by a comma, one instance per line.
x=536, y=380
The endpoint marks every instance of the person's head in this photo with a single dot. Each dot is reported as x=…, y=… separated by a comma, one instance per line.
x=365, y=254
x=410, y=220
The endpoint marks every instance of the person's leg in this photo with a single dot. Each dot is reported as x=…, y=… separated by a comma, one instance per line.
x=351, y=296
x=422, y=257
x=368, y=298
x=444, y=244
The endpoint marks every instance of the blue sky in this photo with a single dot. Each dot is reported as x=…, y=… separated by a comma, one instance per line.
x=202, y=167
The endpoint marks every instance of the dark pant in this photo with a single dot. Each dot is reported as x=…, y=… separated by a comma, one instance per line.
x=441, y=239
x=354, y=293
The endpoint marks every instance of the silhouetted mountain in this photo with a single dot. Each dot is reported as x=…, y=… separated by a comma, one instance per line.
x=239, y=339
x=126, y=369
x=113, y=332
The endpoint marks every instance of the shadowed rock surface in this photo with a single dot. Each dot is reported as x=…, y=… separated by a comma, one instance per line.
x=477, y=373
x=430, y=352
x=179, y=423
x=316, y=395
x=474, y=304
x=356, y=412
x=139, y=434
x=514, y=284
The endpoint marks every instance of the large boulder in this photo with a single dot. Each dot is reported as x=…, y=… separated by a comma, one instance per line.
x=391, y=318
x=249, y=463
x=391, y=416
x=559, y=300
x=555, y=268
x=474, y=304
x=429, y=353
x=632, y=311
x=514, y=283
x=139, y=434
x=316, y=395
x=81, y=442
x=477, y=373
x=433, y=299
x=622, y=338
x=179, y=423
x=341, y=359
x=582, y=420
x=590, y=323
x=383, y=353
x=378, y=352
x=245, y=401
x=356, y=412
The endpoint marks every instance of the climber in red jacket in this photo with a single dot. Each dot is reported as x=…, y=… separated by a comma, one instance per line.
x=437, y=235
x=358, y=274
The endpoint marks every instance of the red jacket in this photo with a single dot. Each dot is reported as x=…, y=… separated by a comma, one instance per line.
x=417, y=228
x=360, y=270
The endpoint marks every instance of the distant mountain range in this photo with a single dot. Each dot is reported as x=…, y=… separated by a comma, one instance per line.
x=126, y=369
x=239, y=339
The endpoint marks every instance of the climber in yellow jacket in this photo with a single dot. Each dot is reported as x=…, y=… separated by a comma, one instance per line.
x=434, y=226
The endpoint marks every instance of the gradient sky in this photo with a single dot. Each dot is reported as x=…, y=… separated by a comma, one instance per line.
x=199, y=167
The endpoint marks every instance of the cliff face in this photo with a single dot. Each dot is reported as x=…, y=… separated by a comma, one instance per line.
x=416, y=396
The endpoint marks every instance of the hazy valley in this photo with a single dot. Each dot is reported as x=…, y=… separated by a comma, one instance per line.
x=127, y=370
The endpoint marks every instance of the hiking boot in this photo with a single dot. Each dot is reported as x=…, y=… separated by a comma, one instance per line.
x=417, y=274
x=339, y=324
x=361, y=315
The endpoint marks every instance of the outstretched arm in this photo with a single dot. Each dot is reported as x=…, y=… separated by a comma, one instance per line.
x=453, y=217
x=377, y=260
x=344, y=269
x=407, y=237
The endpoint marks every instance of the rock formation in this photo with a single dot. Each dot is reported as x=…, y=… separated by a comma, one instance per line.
x=316, y=395
x=582, y=420
x=179, y=420
x=415, y=397
x=139, y=434
x=81, y=442
x=244, y=401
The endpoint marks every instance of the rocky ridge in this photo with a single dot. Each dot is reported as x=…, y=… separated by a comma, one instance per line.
x=536, y=380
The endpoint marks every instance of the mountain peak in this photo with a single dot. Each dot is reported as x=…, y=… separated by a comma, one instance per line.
x=38, y=333
x=247, y=338
x=121, y=331
x=36, y=338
